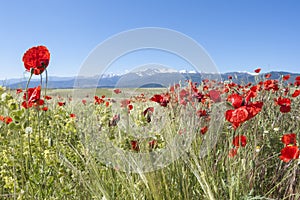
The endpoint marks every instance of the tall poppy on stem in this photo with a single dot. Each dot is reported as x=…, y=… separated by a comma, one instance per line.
x=36, y=60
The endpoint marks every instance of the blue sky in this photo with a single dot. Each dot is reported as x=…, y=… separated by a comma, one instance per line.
x=238, y=35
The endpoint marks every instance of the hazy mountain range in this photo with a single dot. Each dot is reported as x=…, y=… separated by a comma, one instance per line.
x=141, y=78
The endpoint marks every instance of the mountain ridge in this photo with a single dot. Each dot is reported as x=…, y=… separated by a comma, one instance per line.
x=150, y=78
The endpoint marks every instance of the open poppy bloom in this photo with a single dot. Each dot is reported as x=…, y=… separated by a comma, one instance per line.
x=288, y=139
x=36, y=59
x=237, y=116
x=289, y=153
x=215, y=96
x=284, y=103
x=243, y=113
x=162, y=99
x=34, y=94
x=236, y=100
x=33, y=98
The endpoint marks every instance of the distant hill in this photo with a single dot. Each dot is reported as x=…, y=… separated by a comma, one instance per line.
x=147, y=78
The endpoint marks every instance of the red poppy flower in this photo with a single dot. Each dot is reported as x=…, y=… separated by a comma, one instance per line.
x=237, y=116
x=183, y=93
x=34, y=94
x=215, y=96
x=284, y=103
x=239, y=140
x=72, y=115
x=254, y=108
x=117, y=91
x=288, y=139
x=250, y=94
x=98, y=100
x=19, y=91
x=255, y=88
x=268, y=75
x=36, y=59
x=47, y=97
x=61, y=103
x=296, y=93
x=235, y=100
x=201, y=113
x=199, y=96
x=6, y=120
x=297, y=83
x=271, y=85
x=232, y=152
x=45, y=108
x=286, y=77
x=130, y=107
x=83, y=101
x=289, y=153
x=134, y=145
x=162, y=99
x=203, y=130
x=285, y=109
x=33, y=99
x=257, y=70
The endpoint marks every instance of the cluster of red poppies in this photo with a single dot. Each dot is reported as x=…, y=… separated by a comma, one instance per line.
x=291, y=150
x=6, y=119
x=244, y=109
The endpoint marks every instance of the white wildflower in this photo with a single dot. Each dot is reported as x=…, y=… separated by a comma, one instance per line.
x=3, y=96
x=28, y=130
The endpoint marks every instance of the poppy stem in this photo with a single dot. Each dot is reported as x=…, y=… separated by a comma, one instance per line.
x=27, y=98
x=41, y=80
x=46, y=82
x=27, y=85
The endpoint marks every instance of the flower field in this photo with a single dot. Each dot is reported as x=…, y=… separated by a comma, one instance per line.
x=218, y=140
